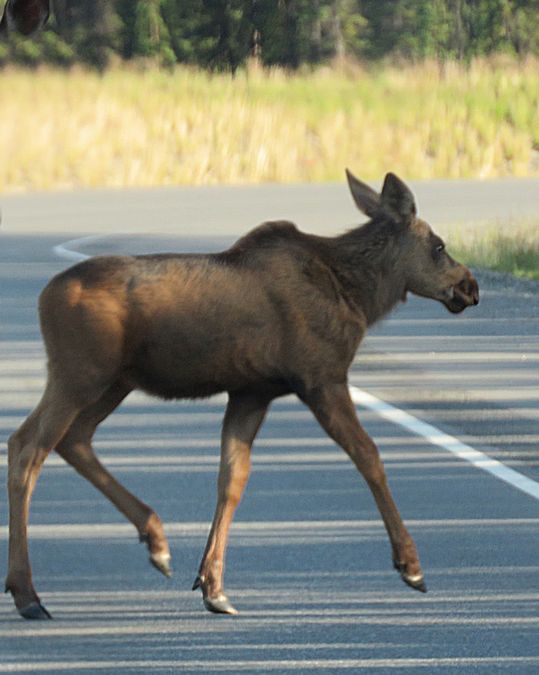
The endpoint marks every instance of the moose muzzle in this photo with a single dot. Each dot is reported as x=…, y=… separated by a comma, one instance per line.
x=463, y=294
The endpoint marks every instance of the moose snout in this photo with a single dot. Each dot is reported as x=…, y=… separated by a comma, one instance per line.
x=464, y=293
x=468, y=289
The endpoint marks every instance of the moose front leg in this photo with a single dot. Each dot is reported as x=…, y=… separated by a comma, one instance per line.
x=244, y=415
x=334, y=409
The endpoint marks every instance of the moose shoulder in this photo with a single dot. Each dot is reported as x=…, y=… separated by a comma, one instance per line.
x=279, y=312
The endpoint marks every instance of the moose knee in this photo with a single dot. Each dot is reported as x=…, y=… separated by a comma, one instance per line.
x=13, y=445
x=17, y=459
x=376, y=474
x=232, y=492
x=231, y=483
x=371, y=468
x=21, y=461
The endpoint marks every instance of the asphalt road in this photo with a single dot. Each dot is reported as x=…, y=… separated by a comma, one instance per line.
x=309, y=564
x=221, y=211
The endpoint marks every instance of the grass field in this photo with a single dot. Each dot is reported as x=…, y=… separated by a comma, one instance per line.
x=63, y=129
x=513, y=248
x=129, y=127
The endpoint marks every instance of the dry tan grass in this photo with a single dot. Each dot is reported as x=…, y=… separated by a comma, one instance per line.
x=511, y=247
x=64, y=129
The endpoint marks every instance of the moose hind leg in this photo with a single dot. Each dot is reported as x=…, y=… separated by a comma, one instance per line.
x=28, y=448
x=244, y=415
x=76, y=449
x=334, y=409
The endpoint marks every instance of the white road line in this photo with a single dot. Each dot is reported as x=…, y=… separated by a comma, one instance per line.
x=390, y=412
x=265, y=665
x=450, y=443
x=117, y=531
x=66, y=249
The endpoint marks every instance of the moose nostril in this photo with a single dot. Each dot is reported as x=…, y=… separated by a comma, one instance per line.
x=469, y=289
x=465, y=287
x=473, y=290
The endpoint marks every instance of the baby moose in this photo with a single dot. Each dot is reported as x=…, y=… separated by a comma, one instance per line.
x=280, y=312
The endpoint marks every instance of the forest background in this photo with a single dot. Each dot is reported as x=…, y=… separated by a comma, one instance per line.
x=142, y=93
x=224, y=34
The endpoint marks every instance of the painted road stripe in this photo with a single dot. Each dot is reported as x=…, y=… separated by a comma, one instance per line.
x=235, y=665
x=450, y=443
x=198, y=528
x=67, y=249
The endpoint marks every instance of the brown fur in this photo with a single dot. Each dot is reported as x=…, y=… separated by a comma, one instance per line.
x=280, y=312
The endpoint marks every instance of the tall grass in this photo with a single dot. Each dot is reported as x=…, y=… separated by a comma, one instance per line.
x=127, y=127
x=512, y=248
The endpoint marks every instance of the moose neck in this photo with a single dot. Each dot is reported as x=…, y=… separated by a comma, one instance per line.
x=368, y=266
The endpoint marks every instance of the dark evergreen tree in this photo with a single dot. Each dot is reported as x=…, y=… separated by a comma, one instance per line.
x=222, y=34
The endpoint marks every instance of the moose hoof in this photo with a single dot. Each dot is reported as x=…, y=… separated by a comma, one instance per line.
x=415, y=581
x=161, y=562
x=34, y=610
x=219, y=604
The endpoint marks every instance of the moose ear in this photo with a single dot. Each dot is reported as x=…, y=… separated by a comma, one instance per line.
x=397, y=199
x=366, y=199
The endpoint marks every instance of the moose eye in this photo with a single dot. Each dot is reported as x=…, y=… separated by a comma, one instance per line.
x=438, y=249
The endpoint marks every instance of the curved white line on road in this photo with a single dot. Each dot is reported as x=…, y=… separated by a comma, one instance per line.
x=437, y=437
x=390, y=412
x=67, y=250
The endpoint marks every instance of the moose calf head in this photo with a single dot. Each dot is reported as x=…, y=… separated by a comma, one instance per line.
x=424, y=264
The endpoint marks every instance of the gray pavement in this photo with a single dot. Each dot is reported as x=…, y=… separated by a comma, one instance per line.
x=309, y=564
x=221, y=211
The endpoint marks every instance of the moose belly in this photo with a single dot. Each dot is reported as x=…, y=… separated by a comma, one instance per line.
x=200, y=368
